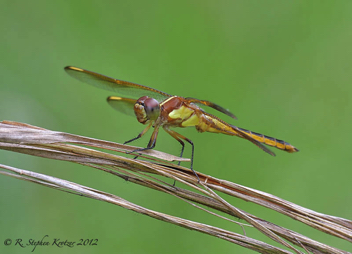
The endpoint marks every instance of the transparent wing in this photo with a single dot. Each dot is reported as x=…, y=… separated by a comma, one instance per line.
x=212, y=105
x=115, y=85
x=123, y=105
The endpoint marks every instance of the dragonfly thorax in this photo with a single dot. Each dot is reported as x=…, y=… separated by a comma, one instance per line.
x=146, y=109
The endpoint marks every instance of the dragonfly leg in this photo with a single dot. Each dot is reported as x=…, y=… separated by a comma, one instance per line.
x=151, y=143
x=140, y=134
x=178, y=137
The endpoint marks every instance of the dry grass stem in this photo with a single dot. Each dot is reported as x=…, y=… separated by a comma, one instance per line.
x=27, y=139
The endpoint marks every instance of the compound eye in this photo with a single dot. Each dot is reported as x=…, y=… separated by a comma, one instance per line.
x=152, y=108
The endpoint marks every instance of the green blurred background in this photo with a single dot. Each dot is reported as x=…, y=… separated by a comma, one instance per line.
x=283, y=67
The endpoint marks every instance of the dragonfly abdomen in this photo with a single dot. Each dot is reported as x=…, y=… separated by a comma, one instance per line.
x=270, y=141
x=210, y=123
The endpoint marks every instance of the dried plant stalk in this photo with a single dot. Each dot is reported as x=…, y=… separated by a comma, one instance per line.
x=24, y=138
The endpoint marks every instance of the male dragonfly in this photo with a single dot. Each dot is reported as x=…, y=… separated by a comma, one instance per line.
x=158, y=109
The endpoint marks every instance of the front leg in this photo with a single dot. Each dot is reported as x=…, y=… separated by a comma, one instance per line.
x=151, y=143
x=140, y=134
x=138, y=137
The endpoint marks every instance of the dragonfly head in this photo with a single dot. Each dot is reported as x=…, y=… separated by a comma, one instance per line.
x=146, y=109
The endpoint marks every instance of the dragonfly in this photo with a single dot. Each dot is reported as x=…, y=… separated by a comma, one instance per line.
x=157, y=109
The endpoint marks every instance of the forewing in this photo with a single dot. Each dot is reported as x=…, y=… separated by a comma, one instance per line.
x=124, y=105
x=115, y=85
x=212, y=105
